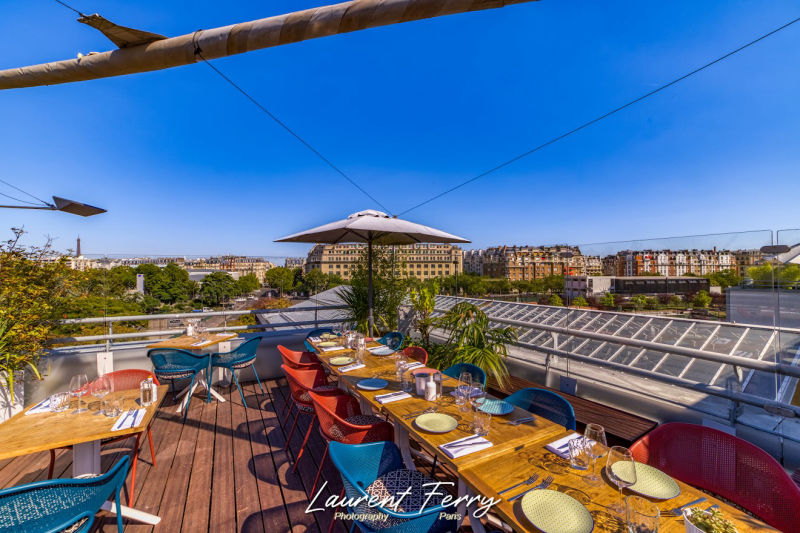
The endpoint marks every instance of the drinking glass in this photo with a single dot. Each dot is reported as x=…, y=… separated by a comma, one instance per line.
x=597, y=447
x=59, y=402
x=642, y=515
x=463, y=390
x=112, y=407
x=77, y=388
x=400, y=363
x=579, y=455
x=481, y=422
x=477, y=395
x=100, y=387
x=621, y=470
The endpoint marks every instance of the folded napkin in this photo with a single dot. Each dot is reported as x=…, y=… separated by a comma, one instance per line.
x=199, y=343
x=331, y=348
x=380, y=350
x=561, y=446
x=414, y=365
x=41, y=407
x=314, y=339
x=465, y=446
x=392, y=397
x=129, y=419
x=354, y=366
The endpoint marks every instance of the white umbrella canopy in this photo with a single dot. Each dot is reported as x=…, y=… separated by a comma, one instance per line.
x=373, y=227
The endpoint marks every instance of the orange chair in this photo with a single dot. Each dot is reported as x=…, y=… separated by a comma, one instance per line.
x=301, y=382
x=294, y=359
x=123, y=380
x=725, y=465
x=340, y=420
x=416, y=353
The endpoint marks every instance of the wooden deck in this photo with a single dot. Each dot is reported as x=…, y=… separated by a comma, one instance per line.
x=224, y=470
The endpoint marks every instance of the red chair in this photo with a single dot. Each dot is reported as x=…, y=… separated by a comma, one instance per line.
x=122, y=380
x=726, y=465
x=301, y=382
x=340, y=420
x=416, y=353
x=295, y=359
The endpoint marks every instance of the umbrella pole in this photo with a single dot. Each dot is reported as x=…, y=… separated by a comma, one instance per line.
x=370, y=320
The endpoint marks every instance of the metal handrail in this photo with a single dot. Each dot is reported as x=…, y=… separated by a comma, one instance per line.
x=135, y=318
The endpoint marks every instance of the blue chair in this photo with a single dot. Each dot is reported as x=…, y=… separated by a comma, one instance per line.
x=170, y=364
x=477, y=373
x=545, y=403
x=243, y=356
x=362, y=464
x=393, y=340
x=56, y=504
x=315, y=333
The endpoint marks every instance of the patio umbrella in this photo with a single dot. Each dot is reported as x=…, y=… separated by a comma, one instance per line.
x=372, y=227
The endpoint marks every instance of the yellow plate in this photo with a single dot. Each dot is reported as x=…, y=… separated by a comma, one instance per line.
x=341, y=360
x=327, y=344
x=555, y=512
x=436, y=422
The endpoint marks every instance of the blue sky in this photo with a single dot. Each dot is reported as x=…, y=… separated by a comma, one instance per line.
x=185, y=165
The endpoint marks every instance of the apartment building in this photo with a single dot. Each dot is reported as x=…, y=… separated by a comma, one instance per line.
x=423, y=261
x=294, y=262
x=473, y=261
x=587, y=286
x=233, y=264
x=518, y=263
x=668, y=262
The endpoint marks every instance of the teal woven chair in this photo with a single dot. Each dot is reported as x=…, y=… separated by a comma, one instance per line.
x=545, y=403
x=393, y=340
x=477, y=373
x=57, y=504
x=243, y=356
x=171, y=364
x=315, y=333
x=368, y=469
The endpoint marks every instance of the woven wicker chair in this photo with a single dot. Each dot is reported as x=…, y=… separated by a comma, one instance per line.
x=242, y=357
x=545, y=403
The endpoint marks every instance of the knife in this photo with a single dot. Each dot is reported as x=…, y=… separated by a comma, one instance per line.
x=468, y=441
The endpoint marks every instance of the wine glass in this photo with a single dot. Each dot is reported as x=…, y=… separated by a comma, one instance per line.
x=77, y=387
x=597, y=447
x=621, y=470
x=100, y=388
x=463, y=390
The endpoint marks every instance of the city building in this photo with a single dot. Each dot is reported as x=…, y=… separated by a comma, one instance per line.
x=668, y=262
x=473, y=261
x=239, y=265
x=588, y=286
x=518, y=263
x=295, y=262
x=423, y=261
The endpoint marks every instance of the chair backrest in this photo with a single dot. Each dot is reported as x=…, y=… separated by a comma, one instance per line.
x=173, y=359
x=302, y=380
x=550, y=405
x=416, y=353
x=58, y=503
x=393, y=340
x=248, y=348
x=129, y=379
x=361, y=464
x=315, y=333
x=295, y=359
x=332, y=410
x=455, y=371
x=726, y=465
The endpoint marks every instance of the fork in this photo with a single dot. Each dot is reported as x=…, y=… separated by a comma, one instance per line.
x=543, y=485
x=528, y=481
x=679, y=510
x=417, y=413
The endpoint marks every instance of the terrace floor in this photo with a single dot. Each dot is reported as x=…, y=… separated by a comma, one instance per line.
x=224, y=470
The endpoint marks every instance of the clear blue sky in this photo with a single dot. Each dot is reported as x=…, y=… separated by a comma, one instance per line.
x=185, y=165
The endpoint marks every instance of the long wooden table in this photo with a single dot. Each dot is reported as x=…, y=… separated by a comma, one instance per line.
x=23, y=434
x=518, y=452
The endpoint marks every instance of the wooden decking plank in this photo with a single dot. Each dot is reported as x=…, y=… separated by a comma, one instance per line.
x=198, y=503
x=248, y=508
x=223, y=502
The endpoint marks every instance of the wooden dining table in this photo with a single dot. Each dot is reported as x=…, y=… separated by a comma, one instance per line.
x=518, y=451
x=24, y=434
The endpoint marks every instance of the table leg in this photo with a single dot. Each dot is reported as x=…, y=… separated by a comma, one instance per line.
x=132, y=514
x=467, y=512
x=188, y=391
x=401, y=439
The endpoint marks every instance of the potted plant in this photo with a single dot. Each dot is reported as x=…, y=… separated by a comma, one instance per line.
x=698, y=520
x=12, y=372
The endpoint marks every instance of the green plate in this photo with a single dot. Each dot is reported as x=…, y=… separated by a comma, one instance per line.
x=341, y=360
x=496, y=407
x=653, y=483
x=327, y=344
x=555, y=512
x=436, y=422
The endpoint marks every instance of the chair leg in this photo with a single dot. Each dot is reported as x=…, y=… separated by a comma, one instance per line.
x=341, y=495
x=289, y=438
x=208, y=383
x=188, y=399
x=257, y=379
x=152, y=450
x=305, y=440
x=433, y=467
x=52, y=464
x=319, y=471
x=236, y=380
x=285, y=412
x=135, y=461
x=119, y=514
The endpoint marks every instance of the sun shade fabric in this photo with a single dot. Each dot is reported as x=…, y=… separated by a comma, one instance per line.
x=120, y=35
x=382, y=228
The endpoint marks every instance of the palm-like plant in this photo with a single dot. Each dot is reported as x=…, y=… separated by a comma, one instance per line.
x=471, y=339
x=11, y=363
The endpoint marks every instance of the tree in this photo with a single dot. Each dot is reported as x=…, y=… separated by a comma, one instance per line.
x=639, y=301
x=218, y=287
x=674, y=300
x=724, y=278
x=315, y=281
x=248, y=283
x=580, y=301
x=781, y=275
x=555, y=299
x=423, y=302
x=607, y=300
x=168, y=285
x=702, y=299
x=280, y=278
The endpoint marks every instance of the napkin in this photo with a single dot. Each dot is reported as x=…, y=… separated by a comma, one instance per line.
x=314, y=339
x=465, y=446
x=41, y=407
x=129, y=420
x=331, y=348
x=561, y=446
x=354, y=366
x=199, y=343
x=391, y=397
x=380, y=350
x=414, y=365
